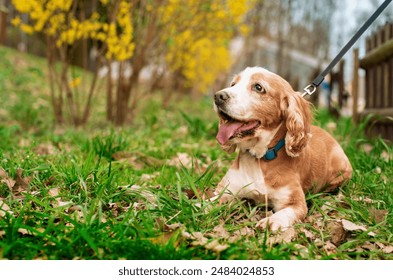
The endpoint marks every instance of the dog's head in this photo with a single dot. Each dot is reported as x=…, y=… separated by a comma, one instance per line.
x=259, y=100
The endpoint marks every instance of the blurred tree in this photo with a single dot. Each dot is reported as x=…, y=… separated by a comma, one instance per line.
x=198, y=39
x=64, y=23
x=189, y=39
x=364, y=12
x=295, y=24
x=3, y=21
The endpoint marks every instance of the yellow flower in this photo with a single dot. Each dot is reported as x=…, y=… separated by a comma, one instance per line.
x=75, y=82
x=16, y=21
x=27, y=29
x=198, y=47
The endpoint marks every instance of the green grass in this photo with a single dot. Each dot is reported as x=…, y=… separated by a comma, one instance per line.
x=108, y=193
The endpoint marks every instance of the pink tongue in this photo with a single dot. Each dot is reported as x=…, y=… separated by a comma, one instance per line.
x=227, y=130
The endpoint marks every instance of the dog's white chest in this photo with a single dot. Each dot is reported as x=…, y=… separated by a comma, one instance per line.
x=246, y=181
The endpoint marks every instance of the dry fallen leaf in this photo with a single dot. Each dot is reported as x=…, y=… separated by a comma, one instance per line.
x=340, y=196
x=61, y=203
x=23, y=231
x=388, y=249
x=318, y=242
x=368, y=246
x=145, y=192
x=387, y=156
x=363, y=199
x=182, y=131
x=21, y=183
x=137, y=160
x=181, y=159
x=45, y=149
x=76, y=211
x=199, y=239
x=337, y=232
x=219, y=232
x=166, y=237
x=349, y=226
x=367, y=148
x=309, y=234
x=241, y=233
x=202, y=194
x=302, y=251
x=331, y=126
x=164, y=226
x=3, y=173
x=285, y=236
x=173, y=227
x=245, y=231
x=316, y=220
x=186, y=235
x=149, y=177
x=216, y=247
x=54, y=192
x=379, y=216
x=327, y=207
x=4, y=208
x=329, y=248
x=10, y=182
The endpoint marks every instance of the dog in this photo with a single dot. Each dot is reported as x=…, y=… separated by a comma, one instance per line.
x=281, y=155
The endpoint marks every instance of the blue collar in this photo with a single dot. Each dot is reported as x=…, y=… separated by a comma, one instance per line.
x=272, y=152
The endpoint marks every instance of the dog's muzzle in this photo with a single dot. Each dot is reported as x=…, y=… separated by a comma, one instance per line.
x=220, y=97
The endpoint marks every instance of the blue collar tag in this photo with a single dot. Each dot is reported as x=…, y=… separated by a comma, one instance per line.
x=272, y=152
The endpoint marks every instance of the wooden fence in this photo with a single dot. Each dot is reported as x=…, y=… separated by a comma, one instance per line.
x=378, y=64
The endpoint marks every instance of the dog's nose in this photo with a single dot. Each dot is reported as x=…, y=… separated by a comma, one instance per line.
x=220, y=97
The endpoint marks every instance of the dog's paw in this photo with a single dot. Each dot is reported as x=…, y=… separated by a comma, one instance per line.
x=226, y=198
x=275, y=222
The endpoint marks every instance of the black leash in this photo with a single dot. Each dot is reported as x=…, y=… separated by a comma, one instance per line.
x=311, y=88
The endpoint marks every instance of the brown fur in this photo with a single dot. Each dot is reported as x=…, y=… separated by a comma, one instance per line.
x=312, y=160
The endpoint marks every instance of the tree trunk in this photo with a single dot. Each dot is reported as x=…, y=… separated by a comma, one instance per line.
x=55, y=101
x=109, y=93
x=3, y=23
x=119, y=117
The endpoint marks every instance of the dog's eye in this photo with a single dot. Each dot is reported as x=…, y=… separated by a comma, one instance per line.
x=232, y=84
x=258, y=88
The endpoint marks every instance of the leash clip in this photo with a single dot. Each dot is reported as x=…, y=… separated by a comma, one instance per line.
x=309, y=90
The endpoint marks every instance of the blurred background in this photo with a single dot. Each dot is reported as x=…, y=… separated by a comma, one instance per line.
x=184, y=47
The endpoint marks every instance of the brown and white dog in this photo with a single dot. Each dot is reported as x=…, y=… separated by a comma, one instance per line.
x=281, y=155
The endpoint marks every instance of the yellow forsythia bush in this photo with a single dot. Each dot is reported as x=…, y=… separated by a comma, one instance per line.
x=56, y=18
x=198, y=33
x=194, y=34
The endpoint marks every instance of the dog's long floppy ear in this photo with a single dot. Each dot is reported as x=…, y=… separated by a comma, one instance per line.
x=297, y=114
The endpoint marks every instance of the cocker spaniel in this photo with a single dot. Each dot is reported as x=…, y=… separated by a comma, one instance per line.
x=281, y=155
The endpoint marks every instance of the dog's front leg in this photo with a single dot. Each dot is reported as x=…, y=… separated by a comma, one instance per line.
x=290, y=207
x=222, y=193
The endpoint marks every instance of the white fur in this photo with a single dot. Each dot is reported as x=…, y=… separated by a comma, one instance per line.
x=264, y=138
x=240, y=102
x=280, y=220
x=283, y=217
x=280, y=197
x=247, y=181
x=319, y=162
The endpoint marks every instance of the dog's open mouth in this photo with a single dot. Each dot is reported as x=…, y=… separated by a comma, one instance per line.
x=231, y=127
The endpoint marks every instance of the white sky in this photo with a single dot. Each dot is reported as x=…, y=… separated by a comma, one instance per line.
x=346, y=21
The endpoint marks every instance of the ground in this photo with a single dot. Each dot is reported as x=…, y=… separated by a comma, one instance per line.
x=101, y=192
